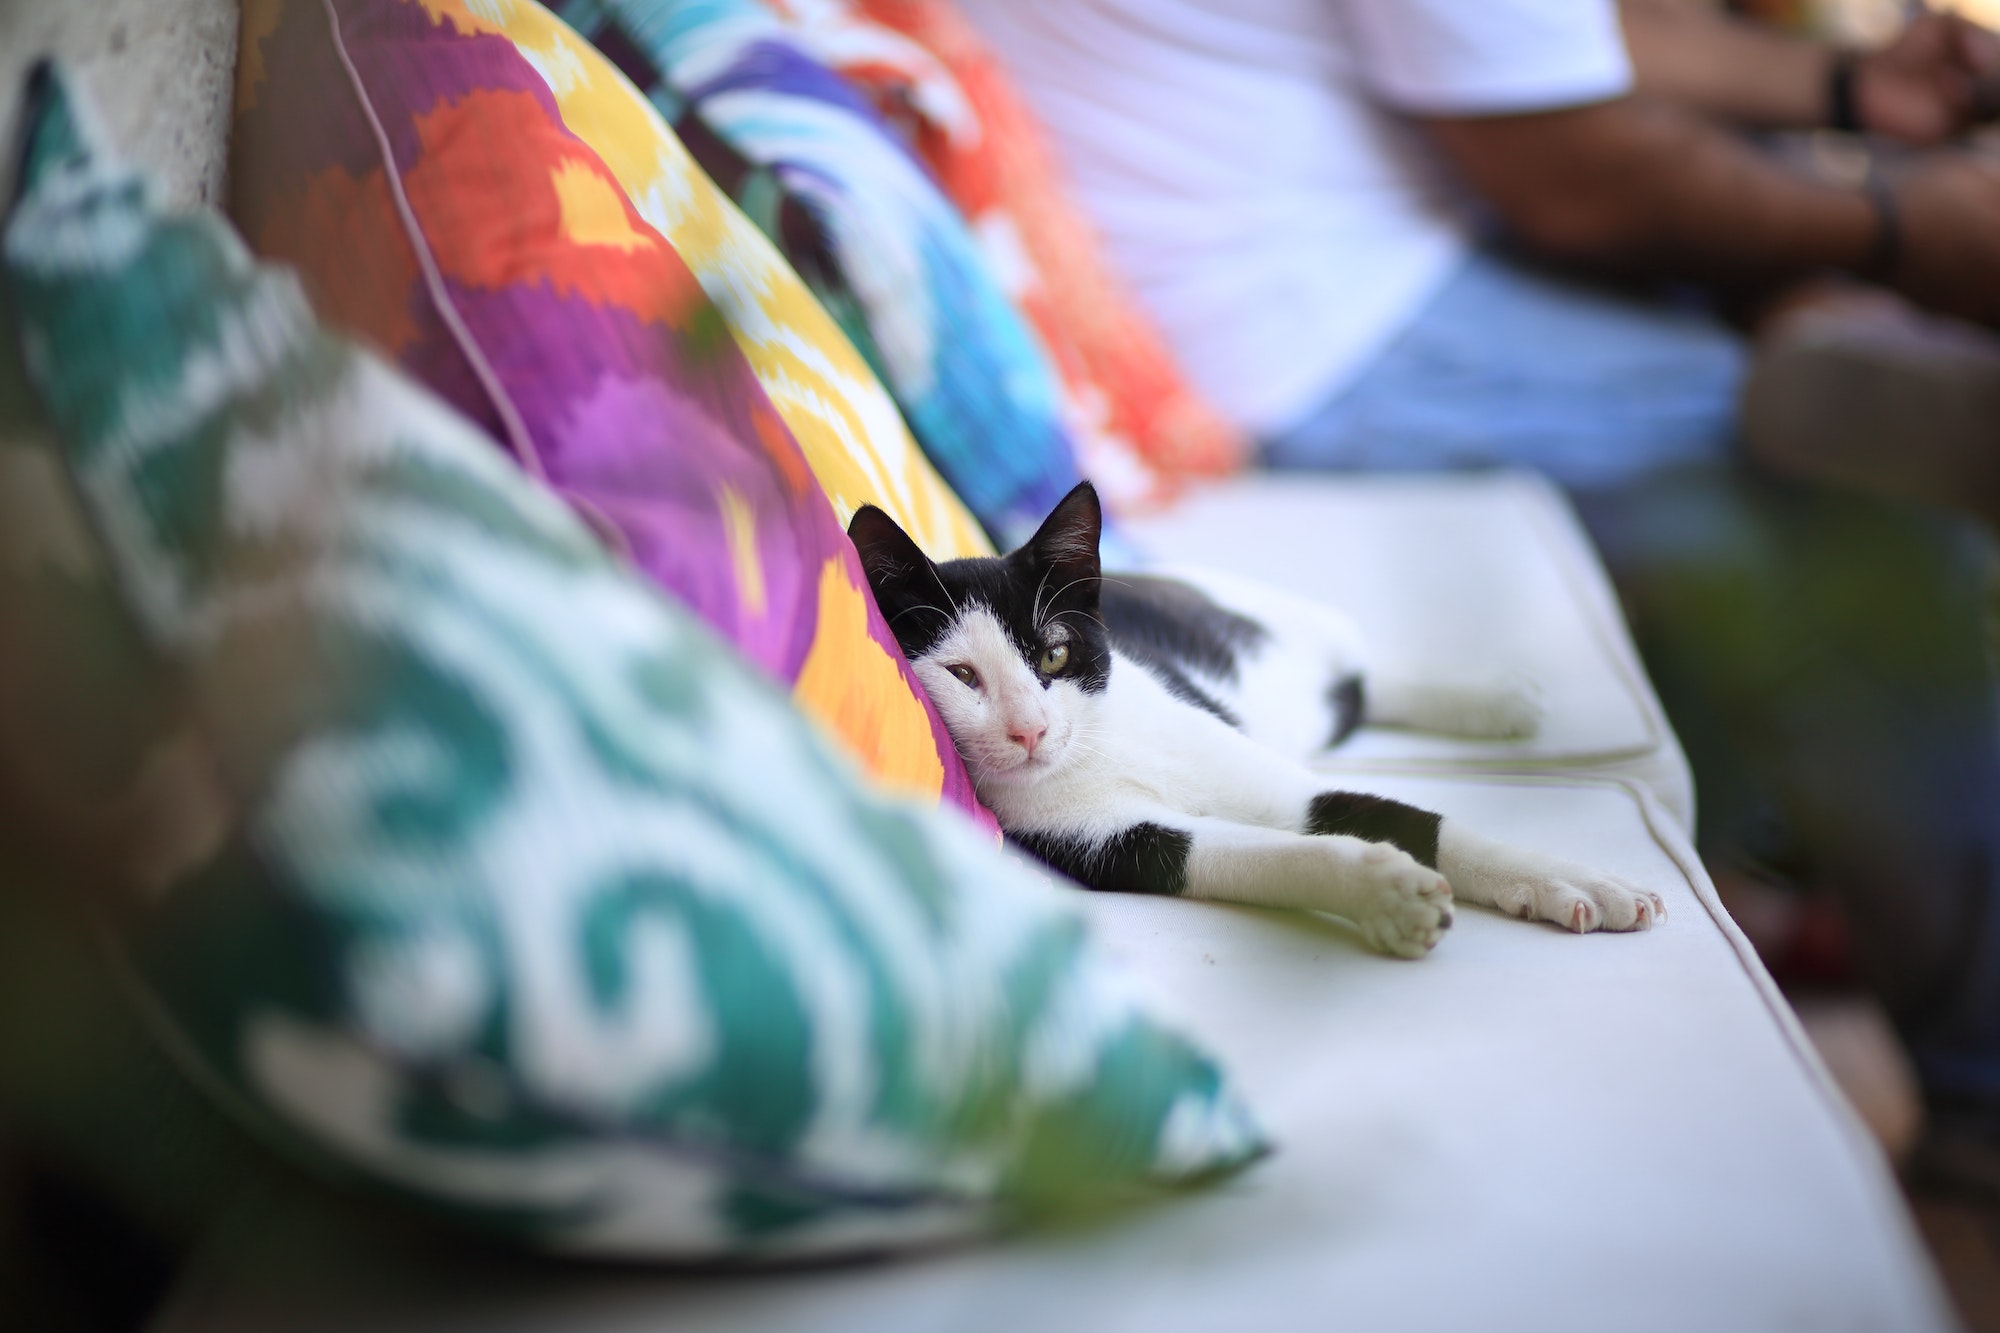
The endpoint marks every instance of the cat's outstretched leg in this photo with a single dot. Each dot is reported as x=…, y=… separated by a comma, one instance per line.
x=1400, y=906
x=1242, y=785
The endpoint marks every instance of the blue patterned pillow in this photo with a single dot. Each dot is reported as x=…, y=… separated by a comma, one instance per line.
x=513, y=889
x=868, y=229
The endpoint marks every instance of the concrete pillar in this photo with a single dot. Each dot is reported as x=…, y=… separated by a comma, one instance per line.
x=162, y=72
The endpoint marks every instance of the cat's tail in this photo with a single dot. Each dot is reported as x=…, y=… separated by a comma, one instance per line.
x=1500, y=706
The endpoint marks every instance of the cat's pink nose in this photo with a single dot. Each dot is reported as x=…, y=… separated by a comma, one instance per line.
x=1028, y=736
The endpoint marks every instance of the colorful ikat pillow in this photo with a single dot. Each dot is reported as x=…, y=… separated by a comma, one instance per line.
x=862, y=222
x=513, y=889
x=415, y=161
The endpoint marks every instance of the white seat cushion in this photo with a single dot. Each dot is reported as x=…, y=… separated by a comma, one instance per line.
x=1466, y=573
x=1528, y=1130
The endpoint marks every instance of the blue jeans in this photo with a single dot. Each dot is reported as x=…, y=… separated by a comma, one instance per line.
x=1824, y=656
x=1507, y=366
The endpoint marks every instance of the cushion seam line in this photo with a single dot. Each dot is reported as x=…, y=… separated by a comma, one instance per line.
x=515, y=429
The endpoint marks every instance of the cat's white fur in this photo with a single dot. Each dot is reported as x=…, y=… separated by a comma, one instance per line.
x=1067, y=761
x=1279, y=691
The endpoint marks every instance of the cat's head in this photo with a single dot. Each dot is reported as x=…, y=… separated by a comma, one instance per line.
x=1010, y=648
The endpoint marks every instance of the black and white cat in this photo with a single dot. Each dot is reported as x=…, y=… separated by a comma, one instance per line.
x=1146, y=734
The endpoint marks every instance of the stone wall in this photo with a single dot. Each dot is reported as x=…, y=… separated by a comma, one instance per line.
x=161, y=72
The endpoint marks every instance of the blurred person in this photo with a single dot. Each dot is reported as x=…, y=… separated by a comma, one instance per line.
x=1426, y=234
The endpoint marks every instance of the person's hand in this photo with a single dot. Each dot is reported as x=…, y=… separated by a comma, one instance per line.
x=1948, y=204
x=1923, y=87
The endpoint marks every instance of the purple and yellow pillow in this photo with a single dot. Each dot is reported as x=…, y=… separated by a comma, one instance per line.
x=414, y=164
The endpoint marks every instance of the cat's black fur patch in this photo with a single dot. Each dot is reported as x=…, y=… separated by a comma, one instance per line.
x=1054, y=578
x=1183, y=688
x=1145, y=858
x=1376, y=819
x=1164, y=622
x=1349, y=697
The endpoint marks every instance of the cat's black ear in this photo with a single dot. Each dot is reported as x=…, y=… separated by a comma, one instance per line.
x=889, y=557
x=1066, y=543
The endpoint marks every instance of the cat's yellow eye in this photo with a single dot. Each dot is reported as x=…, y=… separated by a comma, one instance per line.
x=965, y=673
x=1055, y=659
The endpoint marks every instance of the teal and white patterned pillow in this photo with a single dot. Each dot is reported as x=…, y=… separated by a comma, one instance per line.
x=519, y=893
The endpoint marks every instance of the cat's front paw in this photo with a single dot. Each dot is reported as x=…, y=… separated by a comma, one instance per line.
x=1402, y=906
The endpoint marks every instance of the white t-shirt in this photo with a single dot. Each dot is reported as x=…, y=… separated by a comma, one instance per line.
x=1245, y=164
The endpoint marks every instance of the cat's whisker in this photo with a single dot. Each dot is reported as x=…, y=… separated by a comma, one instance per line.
x=1087, y=578
x=920, y=607
x=1035, y=613
x=938, y=579
x=1088, y=615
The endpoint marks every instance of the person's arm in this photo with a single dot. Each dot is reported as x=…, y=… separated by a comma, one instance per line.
x=1704, y=60
x=1921, y=88
x=1637, y=186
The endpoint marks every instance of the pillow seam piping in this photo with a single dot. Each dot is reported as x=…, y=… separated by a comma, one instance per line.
x=515, y=429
